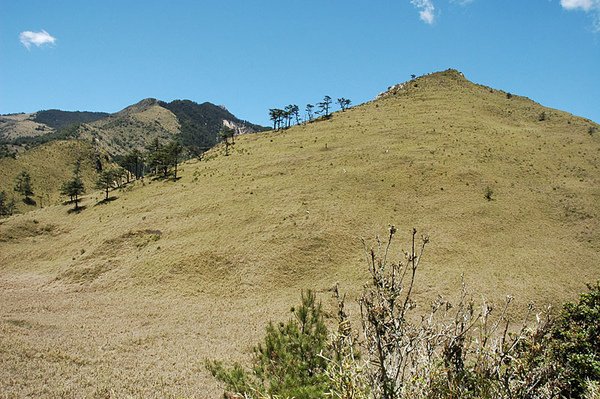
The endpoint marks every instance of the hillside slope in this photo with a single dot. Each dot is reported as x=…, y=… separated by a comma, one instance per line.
x=21, y=125
x=49, y=166
x=131, y=128
x=28, y=141
x=173, y=272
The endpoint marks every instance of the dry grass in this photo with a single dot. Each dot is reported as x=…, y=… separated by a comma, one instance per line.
x=49, y=166
x=20, y=125
x=132, y=128
x=101, y=307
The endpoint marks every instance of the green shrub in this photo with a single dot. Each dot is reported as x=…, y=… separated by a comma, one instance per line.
x=575, y=346
x=289, y=363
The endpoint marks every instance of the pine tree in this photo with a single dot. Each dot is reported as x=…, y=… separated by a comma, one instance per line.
x=23, y=186
x=324, y=106
x=344, y=103
x=133, y=163
x=106, y=180
x=309, y=111
x=291, y=360
x=74, y=188
x=224, y=134
x=295, y=113
x=154, y=155
x=172, y=152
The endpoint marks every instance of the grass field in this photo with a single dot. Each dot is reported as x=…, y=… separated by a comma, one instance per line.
x=49, y=166
x=127, y=298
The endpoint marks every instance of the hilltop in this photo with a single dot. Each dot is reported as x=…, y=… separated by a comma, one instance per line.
x=173, y=272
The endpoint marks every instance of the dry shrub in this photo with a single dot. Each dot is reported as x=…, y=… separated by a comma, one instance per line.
x=461, y=350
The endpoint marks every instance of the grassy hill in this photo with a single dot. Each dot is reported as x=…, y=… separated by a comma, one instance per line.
x=128, y=298
x=24, y=130
x=132, y=128
x=28, y=141
x=21, y=125
x=49, y=166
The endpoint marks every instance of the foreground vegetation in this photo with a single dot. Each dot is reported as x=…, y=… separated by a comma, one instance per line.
x=460, y=350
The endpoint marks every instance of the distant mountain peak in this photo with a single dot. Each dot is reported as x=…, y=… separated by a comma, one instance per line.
x=140, y=106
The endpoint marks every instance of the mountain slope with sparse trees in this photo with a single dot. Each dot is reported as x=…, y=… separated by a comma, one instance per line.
x=196, y=267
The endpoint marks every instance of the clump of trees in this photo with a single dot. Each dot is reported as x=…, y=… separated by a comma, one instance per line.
x=459, y=349
x=225, y=134
x=24, y=187
x=283, y=117
x=108, y=179
x=133, y=163
x=74, y=188
x=162, y=159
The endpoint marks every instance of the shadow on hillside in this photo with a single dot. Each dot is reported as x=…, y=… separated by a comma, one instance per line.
x=78, y=210
x=106, y=200
x=29, y=201
x=164, y=178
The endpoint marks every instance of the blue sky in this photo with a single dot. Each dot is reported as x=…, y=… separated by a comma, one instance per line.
x=254, y=55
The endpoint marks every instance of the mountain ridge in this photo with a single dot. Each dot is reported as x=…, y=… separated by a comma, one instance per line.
x=21, y=131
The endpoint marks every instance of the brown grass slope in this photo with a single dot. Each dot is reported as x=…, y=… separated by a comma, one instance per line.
x=21, y=125
x=128, y=298
x=49, y=165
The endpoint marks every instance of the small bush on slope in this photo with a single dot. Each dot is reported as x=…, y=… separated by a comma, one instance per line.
x=575, y=344
x=288, y=363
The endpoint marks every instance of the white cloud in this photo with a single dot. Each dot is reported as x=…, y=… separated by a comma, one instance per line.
x=38, y=39
x=589, y=6
x=585, y=5
x=462, y=2
x=427, y=10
